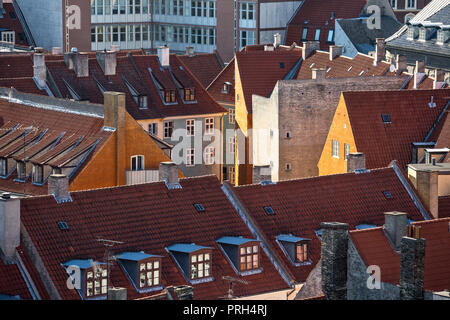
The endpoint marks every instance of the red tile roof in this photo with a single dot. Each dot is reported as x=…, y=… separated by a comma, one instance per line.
x=301, y=205
x=444, y=206
x=147, y=217
x=216, y=86
x=11, y=22
x=69, y=126
x=12, y=282
x=205, y=66
x=22, y=84
x=411, y=120
x=375, y=249
x=16, y=66
x=315, y=14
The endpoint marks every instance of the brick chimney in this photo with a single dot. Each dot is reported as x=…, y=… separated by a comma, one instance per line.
x=58, y=186
x=420, y=67
x=319, y=73
x=309, y=47
x=56, y=50
x=117, y=294
x=334, y=260
x=107, y=61
x=395, y=227
x=276, y=40
x=401, y=63
x=335, y=51
x=412, y=266
x=379, y=51
x=115, y=117
x=356, y=161
x=81, y=64
x=163, y=56
x=425, y=181
x=439, y=78
x=190, y=51
x=9, y=226
x=168, y=172
x=39, y=69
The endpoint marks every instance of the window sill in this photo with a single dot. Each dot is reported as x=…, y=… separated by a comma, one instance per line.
x=335, y=157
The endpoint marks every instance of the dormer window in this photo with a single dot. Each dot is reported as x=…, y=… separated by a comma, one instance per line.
x=93, y=276
x=226, y=87
x=3, y=166
x=248, y=257
x=96, y=281
x=243, y=253
x=295, y=248
x=412, y=32
x=144, y=270
x=189, y=94
x=21, y=170
x=194, y=261
x=423, y=34
x=143, y=102
x=169, y=96
x=38, y=173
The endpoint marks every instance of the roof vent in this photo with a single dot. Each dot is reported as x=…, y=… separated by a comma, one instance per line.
x=63, y=225
x=199, y=207
x=269, y=210
x=432, y=104
x=387, y=194
x=386, y=118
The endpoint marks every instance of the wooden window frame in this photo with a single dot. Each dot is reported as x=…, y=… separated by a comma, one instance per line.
x=246, y=258
x=197, y=263
x=103, y=277
x=145, y=273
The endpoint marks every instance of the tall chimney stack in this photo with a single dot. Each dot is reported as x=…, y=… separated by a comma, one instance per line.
x=39, y=69
x=117, y=293
x=439, y=78
x=334, y=260
x=395, y=227
x=9, y=226
x=412, y=267
x=168, y=172
x=356, y=161
x=81, y=65
x=163, y=56
x=58, y=186
x=309, y=47
x=335, y=51
x=401, y=63
x=425, y=181
x=190, y=51
x=379, y=51
x=107, y=61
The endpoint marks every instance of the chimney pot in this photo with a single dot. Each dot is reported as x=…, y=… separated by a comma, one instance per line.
x=168, y=172
x=39, y=69
x=58, y=186
x=276, y=40
x=395, y=227
x=163, y=56
x=9, y=226
x=107, y=61
x=335, y=51
x=412, y=267
x=356, y=161
x=309, y=47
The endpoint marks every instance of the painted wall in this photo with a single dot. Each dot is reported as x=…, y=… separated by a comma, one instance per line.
x=341, y=39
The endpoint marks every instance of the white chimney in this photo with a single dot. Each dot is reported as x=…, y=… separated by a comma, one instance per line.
x=163, y=56
x=419, y=73
x=190, y=51
x=269, y=47
x=58, y=186
x=81, y=64
x=107, y=61
x=309, y=47
x=39, y=69
x=395, y=227
x=9, y=226
x=335, y=51
x=168, y=172
x=276, y=40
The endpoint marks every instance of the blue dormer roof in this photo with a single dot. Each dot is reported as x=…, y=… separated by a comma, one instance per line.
x=365, y=226
x=136, y=256
x=290, y=238
x=82, y=264
x=235, y=240
x=186, y=247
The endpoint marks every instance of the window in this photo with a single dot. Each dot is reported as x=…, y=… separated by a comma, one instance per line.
x=209, y=155
x=115, y=7
x=199, y=207
x=153, y=128
x=3, y=166
x=330, y=35
x=440, y=36
x=317, y=35
x=200, y=265
x=130, y=6
x=38, y=173
x=387, y=194
x=231, y=116
x=346, y=150
x=410, y=4
x=122, y=7
x=247, y=11
x=168, y=129
x=248, y=257
x=143, y=102
x=288, y=167
x=137, y=6
x=386, y=118
x=190, y=127
x=63, y=225
x=137, y=32
x=21, y=170
x=269, y=210
x=247, y=37
x=145, y=6
x=196, y=8
x=394, y=4
x=305, y=34
x=190, y=157
x=169, y=96
x=137, y=163
x=189, y=94
x=107, y=6
x=335, y=148
x=96, y=281
x=100, y=7
x=123, y=32
x=92, y=7
x=209, y=125
x=301, y=252
x=230, y=144
x=422, y=34
x=149, y=273
x=212, y=9
x=231, y=174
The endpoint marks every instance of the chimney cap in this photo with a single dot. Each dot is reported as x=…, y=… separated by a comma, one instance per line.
x=334, y=225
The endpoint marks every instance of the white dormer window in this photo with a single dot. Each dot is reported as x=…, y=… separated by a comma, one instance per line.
x=143, y=104
x=209, y=126
x=301, y=254
x=248, y=257
x=231, y=116
x=96, y=281
x=149, y=273
x=8, y=36
x=137, y=163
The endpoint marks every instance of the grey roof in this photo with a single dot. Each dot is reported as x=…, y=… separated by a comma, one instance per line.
x=437, y=11
x=364, y=38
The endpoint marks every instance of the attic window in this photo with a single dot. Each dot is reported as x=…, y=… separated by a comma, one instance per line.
x=63, y=225
x=21, y=170
x=248, y=257
x=387, y=194
x=386, y=118
x=199, y=207
x=149, y=273
x=317, y=35
x=143, y=102
x=200, y=265
x=282, y=65
x=301, y=251
x=3, y=166
x=295, y=248
x=169, y=96
x=305, y=34
x=189, y=94
x=226, y=87
x=38, y=173
x=269, y=210
x=137, y=163
x=96, y=281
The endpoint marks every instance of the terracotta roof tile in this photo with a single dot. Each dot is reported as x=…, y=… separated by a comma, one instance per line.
x=146, y=217
x=216, y=86
x=411, y=120
x=444, y=206
x=301, y=205
x=205, y=66
x=12, y=283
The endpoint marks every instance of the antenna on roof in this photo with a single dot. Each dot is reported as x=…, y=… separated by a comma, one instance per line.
x=231, y=280
x=108, y=243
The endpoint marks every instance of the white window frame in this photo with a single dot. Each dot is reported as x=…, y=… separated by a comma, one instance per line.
x=209, y=126
x=412, y=6
x=335, y=149
x=168, y=125
x=140, y=159
x=209, y=155
x=346, y=151
x=231, y=116
x=393, y=4
x=153, y=128
x=230, y=144
x=231, y=174
x=190, y=127
x=190, y=157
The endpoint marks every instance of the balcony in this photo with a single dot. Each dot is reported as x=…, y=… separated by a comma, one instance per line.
x=141, y=176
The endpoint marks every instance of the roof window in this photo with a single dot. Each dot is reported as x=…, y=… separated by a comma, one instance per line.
x=387, y=194
x=386, y=118
x=63, y=225
x=269, y=210
x=193, y=260
x=199, y=207
x=295, y=248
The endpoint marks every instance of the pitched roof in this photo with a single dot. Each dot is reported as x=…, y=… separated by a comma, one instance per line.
x=205, y=66
x=375, y=249
x=314, y=14
x=149, y=218
x=52, y=134
x=12, y=282
x=444, y=206
x=215, y=87
x=411, y=119
x=10, y=21
x=301, y=205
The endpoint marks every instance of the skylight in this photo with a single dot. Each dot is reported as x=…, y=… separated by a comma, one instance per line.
x=269, y=210
x=199, y=207
x=386, y=118
x=63, y=225
x=282, y=65
x=387, y=194
x=349, y=68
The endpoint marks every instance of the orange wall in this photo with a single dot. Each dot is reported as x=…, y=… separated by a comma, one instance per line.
x=341, y=131
x=101, y=170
